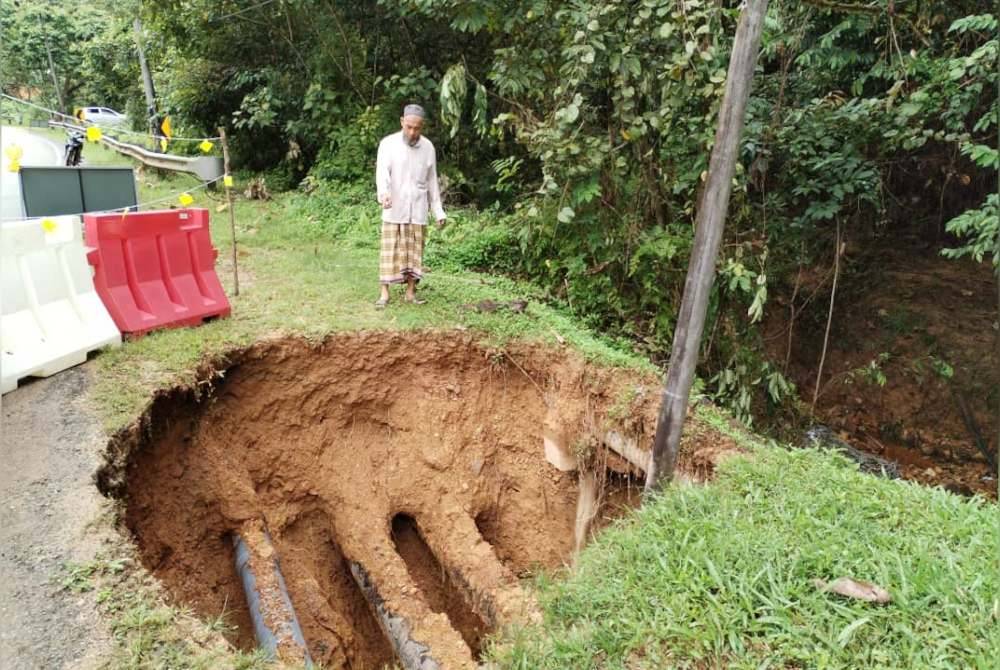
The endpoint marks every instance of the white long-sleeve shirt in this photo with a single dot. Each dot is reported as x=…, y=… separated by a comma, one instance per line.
x=408, y=175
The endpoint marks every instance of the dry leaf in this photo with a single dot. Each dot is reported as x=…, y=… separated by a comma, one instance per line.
x=855, y=588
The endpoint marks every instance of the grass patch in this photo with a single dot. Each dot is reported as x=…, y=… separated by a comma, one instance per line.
x=714, y=576
x=309, y=266
x=721, y=576
x=150, y=634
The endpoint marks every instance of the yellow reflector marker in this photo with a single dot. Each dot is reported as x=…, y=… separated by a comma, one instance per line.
x=205, y=146
x=94, y=134
x=185, y=199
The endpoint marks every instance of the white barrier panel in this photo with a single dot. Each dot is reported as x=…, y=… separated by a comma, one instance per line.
x=51, y=316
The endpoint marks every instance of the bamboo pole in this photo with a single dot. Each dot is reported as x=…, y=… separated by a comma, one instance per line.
x=227, y=182
x=708, y=235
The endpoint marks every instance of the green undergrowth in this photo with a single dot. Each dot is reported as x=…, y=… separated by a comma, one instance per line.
x=715, y=576
x=722, y=576
x=308, y=266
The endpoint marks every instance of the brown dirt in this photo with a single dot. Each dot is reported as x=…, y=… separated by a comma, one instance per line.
x=915, y=307
x=327, y=444
x=432, y=581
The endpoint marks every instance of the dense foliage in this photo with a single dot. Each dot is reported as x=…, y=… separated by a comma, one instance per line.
x=589, y=125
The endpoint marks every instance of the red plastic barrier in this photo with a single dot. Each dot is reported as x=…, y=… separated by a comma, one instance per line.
x=155, y=269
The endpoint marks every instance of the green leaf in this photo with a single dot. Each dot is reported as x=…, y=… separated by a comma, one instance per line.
x=845, y=635
x=566, y=214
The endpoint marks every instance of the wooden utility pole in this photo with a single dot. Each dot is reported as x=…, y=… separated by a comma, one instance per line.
x=708, y=235
x=147, y=82
x=52, y=69
x=227, y=183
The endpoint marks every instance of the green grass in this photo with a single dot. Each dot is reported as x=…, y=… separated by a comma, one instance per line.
x=309, y=266
x=721, y=576
x=702, y=577
x=148, y=633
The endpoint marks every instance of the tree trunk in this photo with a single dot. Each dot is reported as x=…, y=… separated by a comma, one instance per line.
x=708, y=235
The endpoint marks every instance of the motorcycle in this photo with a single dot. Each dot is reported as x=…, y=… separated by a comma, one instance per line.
x=74, y=148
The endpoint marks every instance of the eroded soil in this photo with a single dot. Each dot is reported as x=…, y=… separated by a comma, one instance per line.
x=912, y=343
x=416, y=456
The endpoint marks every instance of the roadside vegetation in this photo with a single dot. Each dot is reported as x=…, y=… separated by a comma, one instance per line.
x=720, y=575
x=573, y=139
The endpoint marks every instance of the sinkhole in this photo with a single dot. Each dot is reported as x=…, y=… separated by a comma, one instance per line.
x=399, y=479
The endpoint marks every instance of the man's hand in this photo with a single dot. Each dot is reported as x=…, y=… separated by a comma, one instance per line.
x=387, y=202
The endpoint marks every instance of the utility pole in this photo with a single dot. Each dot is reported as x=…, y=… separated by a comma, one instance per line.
x=147, y=81
x=52, y=69
x=710, y=223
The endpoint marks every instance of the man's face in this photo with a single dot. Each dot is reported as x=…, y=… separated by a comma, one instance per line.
x=412, y=126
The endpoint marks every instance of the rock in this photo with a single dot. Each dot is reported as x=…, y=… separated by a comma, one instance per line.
x=486, y=306
x=476, y=465
x=518, y=306
x=959, y=489
x=823, y=438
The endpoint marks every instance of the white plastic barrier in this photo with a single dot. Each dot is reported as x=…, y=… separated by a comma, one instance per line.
x=50, y=315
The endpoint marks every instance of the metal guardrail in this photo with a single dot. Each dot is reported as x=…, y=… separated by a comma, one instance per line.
x=206, y=168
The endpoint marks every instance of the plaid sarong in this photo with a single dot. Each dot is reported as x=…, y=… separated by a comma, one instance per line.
x=402, y=253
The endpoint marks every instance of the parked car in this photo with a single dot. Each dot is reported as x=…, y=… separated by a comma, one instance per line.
x=103, y=116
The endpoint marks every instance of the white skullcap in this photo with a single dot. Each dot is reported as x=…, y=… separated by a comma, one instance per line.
x=414, y=110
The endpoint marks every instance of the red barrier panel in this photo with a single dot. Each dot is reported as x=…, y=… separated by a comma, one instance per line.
x=155, y=269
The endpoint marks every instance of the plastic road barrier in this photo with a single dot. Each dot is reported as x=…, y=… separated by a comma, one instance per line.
x=51, y=316
x=155, y=269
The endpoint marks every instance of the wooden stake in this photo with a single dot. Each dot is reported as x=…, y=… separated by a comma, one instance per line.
x=829, y=321
x=708, y=235
x=229, y=205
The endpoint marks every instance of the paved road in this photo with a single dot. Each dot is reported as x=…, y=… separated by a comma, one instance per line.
x=37, y=151
x=50, y=445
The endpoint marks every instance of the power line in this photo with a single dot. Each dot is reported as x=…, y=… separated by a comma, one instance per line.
x=242, y=11
x=110, y=129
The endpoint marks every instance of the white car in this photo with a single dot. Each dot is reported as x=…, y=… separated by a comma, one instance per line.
x=103, y=116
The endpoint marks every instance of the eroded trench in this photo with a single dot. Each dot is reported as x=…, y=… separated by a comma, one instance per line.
x=398, y=481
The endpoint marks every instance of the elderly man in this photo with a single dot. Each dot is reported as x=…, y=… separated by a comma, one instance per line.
x=407, y=184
